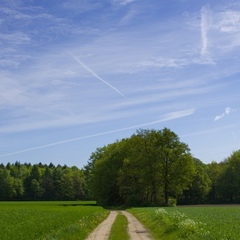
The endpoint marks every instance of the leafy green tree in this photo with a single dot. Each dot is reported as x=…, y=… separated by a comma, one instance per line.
x=200, y=187
x=47, y=184
x=150, y=166
x=215, y=172
x=7, y=190
x=57, y=176
x=34, y=173
x=40, y=181
x=18, y=188
x=229, y=181
x=78, y=183
x=17, y=177
x=36, y=189
x=66, y=183
x=104, y=175
x=139, y=178
x=175, y=164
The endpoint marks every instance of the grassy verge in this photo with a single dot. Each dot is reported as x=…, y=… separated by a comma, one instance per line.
x=195, y=223
x=49, y=220
x=119, y=228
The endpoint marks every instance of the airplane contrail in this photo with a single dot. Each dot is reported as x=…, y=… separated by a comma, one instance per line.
x=166, y=117
x=96, y=75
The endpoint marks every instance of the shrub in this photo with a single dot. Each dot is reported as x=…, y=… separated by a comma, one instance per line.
x=172, y=202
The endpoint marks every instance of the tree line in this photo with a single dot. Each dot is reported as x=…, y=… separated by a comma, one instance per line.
x=152, y=167
x=41, y=182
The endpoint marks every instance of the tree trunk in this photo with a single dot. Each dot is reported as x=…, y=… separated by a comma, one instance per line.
x=166, y=195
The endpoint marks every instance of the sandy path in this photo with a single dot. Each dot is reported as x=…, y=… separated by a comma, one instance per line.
x=103, y=230
x=136, y=230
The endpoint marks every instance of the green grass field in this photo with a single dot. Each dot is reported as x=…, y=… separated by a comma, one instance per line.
x=75, y=220
x=119, y=228
x=49, y=220
x=205, y=222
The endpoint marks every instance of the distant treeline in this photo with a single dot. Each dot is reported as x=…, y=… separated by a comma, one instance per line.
x=150, y=168
x=41, y=182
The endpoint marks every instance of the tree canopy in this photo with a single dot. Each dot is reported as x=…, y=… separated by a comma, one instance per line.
x=146, y=169
x=41, y=182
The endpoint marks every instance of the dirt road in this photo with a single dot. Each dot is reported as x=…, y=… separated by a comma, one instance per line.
x=103, y=230
x=136, y=230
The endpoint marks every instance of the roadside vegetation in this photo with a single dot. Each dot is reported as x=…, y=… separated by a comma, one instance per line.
x=119, y=228
x=49, y=220
x=193, y=223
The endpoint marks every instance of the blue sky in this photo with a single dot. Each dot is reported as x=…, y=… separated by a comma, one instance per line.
x=77, y=75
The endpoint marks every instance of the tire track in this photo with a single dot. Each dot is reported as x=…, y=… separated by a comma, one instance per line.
x=136, y=230
x=103, y=230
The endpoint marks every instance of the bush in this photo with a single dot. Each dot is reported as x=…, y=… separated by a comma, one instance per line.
x=172, y=202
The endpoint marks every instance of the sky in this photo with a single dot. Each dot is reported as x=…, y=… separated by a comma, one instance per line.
x=77, y=75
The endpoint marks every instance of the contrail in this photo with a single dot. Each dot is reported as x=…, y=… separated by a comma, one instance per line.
x=166, y=117
x=96, y=75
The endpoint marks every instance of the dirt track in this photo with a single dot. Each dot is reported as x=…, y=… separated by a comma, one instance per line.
x=103, y=230
x=136, y=230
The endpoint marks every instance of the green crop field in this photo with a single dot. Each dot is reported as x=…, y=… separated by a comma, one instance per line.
x=205, y=222
x=48, y=220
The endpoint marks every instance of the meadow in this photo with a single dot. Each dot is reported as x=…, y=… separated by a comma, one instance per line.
x=49, y=220
x=190, y=222
x=75, y=220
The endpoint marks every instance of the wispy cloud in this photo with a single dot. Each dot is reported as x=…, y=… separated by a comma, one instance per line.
x=96, y=75
x=220, y=30
x=83, y=7
x=122, y=2
x=227, y=111
x=229, y=21
x=206, y=132
x=125, y=20
x=163, y=63
x=204, y=31
x=165, y=117
x=205, y=15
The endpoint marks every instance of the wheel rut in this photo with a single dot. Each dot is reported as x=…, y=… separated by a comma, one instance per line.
x=103, y=230
x=136, y=230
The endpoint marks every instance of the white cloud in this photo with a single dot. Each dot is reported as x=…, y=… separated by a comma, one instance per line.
x=122, y=2
x=205, y=23
x=227, y=111
x=220, y=31
x=229, y=21
x=162, y=63
x=204, y=28
x=17, y=37
x=125, y=20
